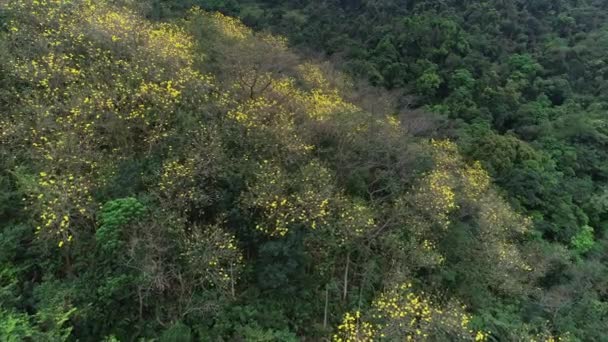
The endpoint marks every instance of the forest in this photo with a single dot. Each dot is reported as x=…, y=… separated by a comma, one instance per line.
x=263, y=170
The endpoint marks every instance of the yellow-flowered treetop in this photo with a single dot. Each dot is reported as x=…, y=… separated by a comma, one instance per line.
x=99, y=68
x=454, y=189
x=401, y=314
x=284, y=202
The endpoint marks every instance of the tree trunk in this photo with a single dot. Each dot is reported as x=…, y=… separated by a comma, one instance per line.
x=326, y=306
x=232, y=280
x=346, y=276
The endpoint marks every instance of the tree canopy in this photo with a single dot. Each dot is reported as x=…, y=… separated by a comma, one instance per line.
x=169, y=173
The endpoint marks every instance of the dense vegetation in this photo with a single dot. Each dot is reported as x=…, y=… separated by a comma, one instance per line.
x=168, y=173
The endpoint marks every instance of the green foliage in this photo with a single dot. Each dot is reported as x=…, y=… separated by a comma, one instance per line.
x=15, y=327
x=583, y=241
x=176, y=333
x=428, y=83
x=252, y=333
x=49, y=326
x=114, y=215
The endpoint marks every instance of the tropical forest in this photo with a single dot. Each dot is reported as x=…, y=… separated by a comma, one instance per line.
x=307, y=170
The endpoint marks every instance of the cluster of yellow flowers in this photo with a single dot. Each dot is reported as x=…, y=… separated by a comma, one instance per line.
x=402, y=303
x=354, y=219
x=171, y=43
x=477, y=180
x=394, y=122
x=226, y=247
x=320, y=104
x=454, y=184
x=59, y=199
x=176, y=180
x=256, y=113
x=313, y=76
x=8, y=131
x=214, y=255
x=316, y=104
x=481, y=336
x=353, y=329
x=445, y=155
x=116, y=25
x=307, y=203
x=268, y=124
x=437, y=197
x=402, y=314
x=277, y=42
x=548, y=337
x=228, y=26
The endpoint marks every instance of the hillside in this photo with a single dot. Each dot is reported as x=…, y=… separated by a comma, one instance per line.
x=168, y=173
x=519, y=85
x=528, y=78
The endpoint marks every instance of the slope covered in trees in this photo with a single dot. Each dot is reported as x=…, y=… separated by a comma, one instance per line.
x=523, y=87
x=187, y=178
x=525, y=77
